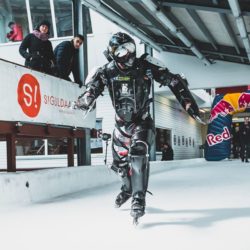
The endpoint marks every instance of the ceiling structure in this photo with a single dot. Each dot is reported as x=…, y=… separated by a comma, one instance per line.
x=210, y=30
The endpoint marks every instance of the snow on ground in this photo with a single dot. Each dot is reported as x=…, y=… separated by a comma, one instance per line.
x=206, y=206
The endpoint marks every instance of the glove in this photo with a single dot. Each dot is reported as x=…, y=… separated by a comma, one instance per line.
x=29, y=57
x=82, y=103
x=194, y=114
x=188, y=107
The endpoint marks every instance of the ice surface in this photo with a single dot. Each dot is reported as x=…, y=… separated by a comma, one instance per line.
x=203, y=207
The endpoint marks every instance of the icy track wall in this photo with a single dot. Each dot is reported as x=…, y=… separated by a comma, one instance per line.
x=218, y=139
x=41, y=185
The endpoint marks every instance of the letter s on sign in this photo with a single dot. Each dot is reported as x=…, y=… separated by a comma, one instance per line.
x=28, y=97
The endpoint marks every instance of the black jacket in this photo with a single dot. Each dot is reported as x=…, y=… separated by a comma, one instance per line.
x=244, y=134
x=167, y=154
x=66, y=61
x=38, y=53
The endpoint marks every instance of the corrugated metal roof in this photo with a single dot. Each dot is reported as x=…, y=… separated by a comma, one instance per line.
x=209, y=29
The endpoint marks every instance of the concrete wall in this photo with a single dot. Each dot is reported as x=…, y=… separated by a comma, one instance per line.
x=43, y=185
x=169, y=114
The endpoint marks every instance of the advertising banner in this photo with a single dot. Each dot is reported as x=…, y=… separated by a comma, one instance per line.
x=31, y=96
x=218, y=139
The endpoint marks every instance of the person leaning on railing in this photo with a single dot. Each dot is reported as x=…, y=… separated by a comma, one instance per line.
x=66, y=54
x=37, y=49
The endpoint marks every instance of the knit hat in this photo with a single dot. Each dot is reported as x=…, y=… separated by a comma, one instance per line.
x=44, y=22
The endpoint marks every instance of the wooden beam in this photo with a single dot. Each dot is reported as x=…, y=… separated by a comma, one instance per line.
x=39, y=131
x=11, y=153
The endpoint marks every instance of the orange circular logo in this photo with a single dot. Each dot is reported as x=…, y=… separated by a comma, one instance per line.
x=29, y=95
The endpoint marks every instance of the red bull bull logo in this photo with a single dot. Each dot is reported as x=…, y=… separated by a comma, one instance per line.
x=229, y=104
x=222, y=108
x=215, y=139
x=244, y=100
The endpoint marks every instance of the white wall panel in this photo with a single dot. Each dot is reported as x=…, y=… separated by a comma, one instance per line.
x=170, y=115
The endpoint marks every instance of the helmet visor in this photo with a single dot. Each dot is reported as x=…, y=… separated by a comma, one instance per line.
x=124, y=49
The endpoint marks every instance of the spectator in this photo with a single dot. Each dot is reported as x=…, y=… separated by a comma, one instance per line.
x=66, y=54
x=244, y=140
x=40, y=54
x=236, y=142
x=16, y=33
x=167, y=152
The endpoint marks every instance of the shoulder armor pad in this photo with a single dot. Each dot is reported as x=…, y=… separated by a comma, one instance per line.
x=154, y=61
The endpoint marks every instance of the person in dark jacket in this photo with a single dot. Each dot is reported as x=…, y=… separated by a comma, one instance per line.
x=167, y=152
x=244, y=140
x=66, y=54
x=37, y=49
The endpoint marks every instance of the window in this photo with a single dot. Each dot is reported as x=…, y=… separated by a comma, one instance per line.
x=64, y=18
x=42, y=146
x=13, y=11
x=85, y=11
x=30, y=147
x=175, y=139
x=162, y=136
x=58, y=146
x=40, y=10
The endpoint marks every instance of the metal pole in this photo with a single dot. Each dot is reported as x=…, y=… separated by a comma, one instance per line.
x=106, y=152
x=152, y=153
x=85, y=149
x=70, y=149
x=84, y=48
x=80, y=27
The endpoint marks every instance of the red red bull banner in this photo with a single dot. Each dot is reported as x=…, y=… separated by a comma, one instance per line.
x=218, y=139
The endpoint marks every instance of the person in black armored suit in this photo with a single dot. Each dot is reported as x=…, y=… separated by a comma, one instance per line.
x=129, y=82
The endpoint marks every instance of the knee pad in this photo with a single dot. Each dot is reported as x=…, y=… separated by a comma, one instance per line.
x=139, y=148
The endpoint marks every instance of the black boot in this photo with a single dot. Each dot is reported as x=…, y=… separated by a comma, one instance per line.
x=138, y=205
x=122, y=197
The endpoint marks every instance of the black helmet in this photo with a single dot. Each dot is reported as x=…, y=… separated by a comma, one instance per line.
x=122, y=49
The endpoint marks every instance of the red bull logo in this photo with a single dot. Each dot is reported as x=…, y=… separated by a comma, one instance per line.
x=222, y=108
x=230, y=103
x=244, y=100
x=215, y=139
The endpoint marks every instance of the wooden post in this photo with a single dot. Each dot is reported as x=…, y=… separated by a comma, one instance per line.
x=70, y=149
x=11, y=153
